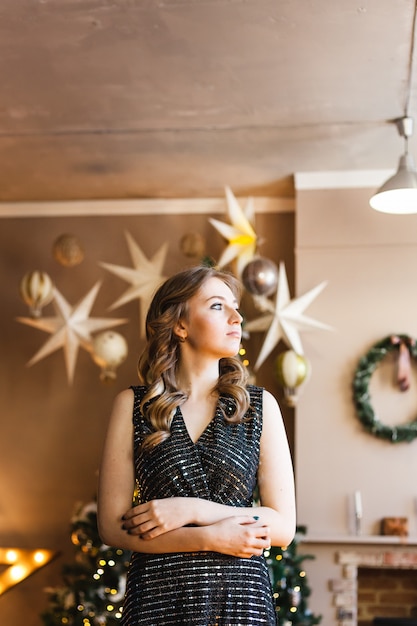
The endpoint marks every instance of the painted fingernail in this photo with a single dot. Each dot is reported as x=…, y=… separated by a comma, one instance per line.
x=256, y=517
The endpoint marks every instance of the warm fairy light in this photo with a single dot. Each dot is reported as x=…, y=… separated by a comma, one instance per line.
x=17, y=573
x=302, y=574
x=110, y=607
x=297, y=588
x=112, y=563
x=293, y=609
x=40, y=557
x=278, y=557
x=118, y=615
x=102, y=562
x=242, y=351
x=21, y=563
x=11, y=556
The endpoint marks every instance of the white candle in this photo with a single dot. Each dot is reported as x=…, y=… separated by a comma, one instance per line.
x=358, y=504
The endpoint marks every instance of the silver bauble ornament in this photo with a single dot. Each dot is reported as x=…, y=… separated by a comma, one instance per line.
x=260, y=276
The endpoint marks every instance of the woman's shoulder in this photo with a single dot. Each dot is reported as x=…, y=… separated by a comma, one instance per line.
x=138, y=388
x=255, y=392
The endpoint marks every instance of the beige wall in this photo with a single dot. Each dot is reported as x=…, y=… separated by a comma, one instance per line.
x=51, y=434
x=370, y=261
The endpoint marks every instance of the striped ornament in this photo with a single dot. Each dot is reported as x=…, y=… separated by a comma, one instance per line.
x=36, y=290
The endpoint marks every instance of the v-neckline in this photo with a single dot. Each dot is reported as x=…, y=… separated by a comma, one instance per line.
x=203, y=432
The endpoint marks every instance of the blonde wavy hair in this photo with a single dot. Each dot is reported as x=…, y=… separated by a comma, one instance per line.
x=158, y=363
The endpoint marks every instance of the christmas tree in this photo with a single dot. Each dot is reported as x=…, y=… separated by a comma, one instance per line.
x=94, y=585
x=289, y=584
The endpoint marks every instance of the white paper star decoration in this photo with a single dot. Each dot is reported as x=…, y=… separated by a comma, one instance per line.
x=145, y=277
x=284, y=318
x=240, y=233
x=70, y=329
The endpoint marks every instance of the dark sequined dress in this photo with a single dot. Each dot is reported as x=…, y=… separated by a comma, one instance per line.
x=199, y=588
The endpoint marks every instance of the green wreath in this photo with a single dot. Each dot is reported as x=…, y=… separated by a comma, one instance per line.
x=362, y=399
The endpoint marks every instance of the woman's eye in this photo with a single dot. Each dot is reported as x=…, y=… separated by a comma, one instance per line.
x=217, y=305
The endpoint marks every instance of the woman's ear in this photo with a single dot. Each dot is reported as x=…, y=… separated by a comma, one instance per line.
x=180, y=331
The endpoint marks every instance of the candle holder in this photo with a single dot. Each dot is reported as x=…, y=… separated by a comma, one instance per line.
x=358, y=524
x=357, y=500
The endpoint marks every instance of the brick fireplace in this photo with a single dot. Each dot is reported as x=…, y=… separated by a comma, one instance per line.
x=387, y=586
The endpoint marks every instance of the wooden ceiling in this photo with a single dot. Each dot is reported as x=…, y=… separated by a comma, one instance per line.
x=178, y=98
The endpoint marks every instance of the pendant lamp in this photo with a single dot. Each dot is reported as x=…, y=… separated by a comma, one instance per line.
x=398, y=195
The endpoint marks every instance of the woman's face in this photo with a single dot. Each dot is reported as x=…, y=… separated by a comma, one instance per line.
x=213, y=324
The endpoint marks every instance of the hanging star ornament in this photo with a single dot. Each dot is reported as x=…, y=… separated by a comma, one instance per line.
x=240, y=233
x=70, y=329
x=145, y=277
x=284, y=318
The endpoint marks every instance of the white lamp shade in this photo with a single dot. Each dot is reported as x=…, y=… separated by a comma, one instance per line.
x=398, y=195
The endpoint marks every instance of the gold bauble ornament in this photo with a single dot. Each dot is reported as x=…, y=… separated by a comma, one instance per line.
x=67, y=250
x=292, y=370
x=36, y=290
x=193, y=245
x=109, y=351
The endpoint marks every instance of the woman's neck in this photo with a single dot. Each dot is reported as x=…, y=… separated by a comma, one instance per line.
x=198, y=382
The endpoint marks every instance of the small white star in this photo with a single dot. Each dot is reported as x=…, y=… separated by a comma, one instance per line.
x=70, y=329
x=285, y=318
x=240, y=233
x=145, y=277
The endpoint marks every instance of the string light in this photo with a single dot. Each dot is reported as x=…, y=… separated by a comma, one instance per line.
x=21, y=563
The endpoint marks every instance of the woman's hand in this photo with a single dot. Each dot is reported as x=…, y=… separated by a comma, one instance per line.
x=156, y=517
x=241, y=536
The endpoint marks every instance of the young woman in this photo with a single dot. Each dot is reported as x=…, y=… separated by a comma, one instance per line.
x=196, y=440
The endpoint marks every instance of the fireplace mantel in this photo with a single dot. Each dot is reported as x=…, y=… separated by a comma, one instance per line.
x=390, y=540
x=352, y=552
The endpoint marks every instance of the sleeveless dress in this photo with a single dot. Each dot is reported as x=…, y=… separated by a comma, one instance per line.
x=199, y=588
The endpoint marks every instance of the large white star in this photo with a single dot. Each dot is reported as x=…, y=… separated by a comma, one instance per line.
x=240, y=233
x=145, y=277
x=285, y=318
x=70, y=329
